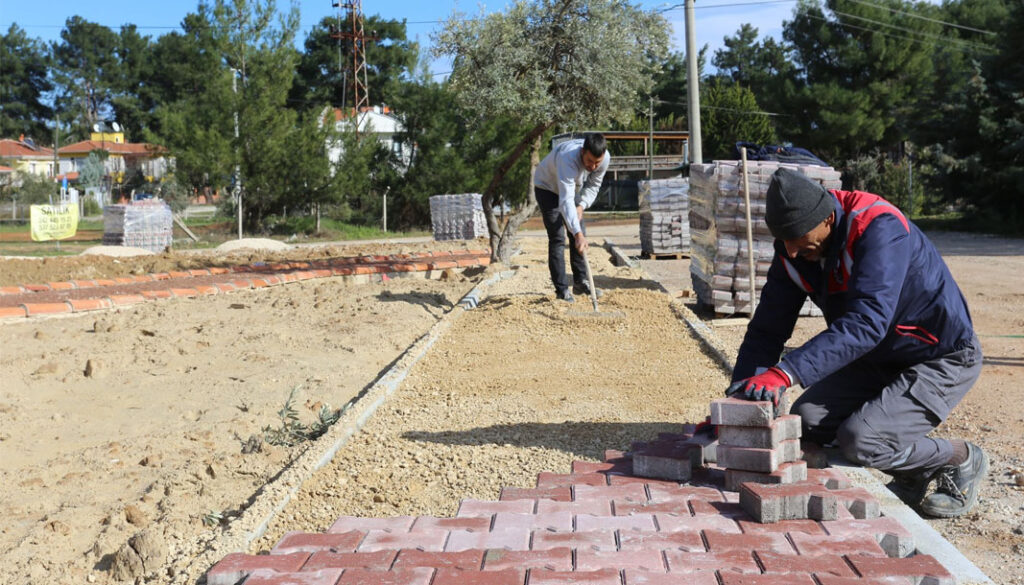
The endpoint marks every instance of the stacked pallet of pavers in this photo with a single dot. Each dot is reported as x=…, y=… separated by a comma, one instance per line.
x=664, y=216
x=720, y=266
x=457, y=217
x=143, y=224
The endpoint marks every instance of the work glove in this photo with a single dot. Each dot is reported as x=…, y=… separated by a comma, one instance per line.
x=769, y=385
x=706, y=428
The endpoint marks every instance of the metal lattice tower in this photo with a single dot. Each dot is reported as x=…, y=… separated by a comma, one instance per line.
x=355, y=33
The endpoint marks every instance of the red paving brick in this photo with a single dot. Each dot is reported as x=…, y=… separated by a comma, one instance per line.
x=457, y=577
x=555, y=559
x=293, y=542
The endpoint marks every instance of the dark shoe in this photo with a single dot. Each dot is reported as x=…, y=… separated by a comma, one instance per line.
x=584, y=290
x=910, y=486
x=957, y=486
x=565, y=295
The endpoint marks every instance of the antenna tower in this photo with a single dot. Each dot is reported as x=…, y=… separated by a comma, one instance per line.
x=354, y=32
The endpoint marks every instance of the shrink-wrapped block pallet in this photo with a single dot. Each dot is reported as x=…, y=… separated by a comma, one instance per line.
x=719, y=258
x=457, y=217
x=144, y=224
x=664, y=216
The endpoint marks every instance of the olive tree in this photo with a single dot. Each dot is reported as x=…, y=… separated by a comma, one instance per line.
x=574, y=64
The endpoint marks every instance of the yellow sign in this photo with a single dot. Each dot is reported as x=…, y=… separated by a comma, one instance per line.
x=54, y=222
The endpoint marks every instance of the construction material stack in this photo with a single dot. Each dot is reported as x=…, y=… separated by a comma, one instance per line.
x=754, y=445
x=664, y=216
x=146, y=224
x=720, y=266
x=457, y=217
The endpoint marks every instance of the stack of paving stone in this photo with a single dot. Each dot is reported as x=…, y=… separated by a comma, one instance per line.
x=756, y=446
x=720, y=266
x=664, y=216
x=144, y=224
x=457, y=217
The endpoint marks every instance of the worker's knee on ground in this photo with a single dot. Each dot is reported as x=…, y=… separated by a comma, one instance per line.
x=860, y=445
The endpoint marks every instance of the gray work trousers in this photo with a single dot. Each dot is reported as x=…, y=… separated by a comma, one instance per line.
x=881, y=419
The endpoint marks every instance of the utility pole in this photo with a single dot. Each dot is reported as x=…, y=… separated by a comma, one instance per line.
x=355, y=32
x=650, y=128
x=692, y=85
x=238, y=171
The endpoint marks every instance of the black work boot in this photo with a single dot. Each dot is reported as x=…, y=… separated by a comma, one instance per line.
x=957, y=486
x=910, y=486
x=583, y=289
x=564, y=295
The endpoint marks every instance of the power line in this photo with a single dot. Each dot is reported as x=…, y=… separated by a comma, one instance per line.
x=912, y=15
x=884, y=34
x=961, y=42
x=703, y=107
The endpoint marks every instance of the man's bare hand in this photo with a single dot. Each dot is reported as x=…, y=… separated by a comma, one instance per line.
x=580, y=243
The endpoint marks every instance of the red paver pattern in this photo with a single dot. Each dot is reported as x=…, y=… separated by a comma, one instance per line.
x=662, y=533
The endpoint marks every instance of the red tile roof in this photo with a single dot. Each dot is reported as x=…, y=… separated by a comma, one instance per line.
x=17, y=149
x=87, y=146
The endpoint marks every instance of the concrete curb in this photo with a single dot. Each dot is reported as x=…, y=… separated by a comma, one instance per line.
x=927, y=540
x=273, y=497
x=619, y=258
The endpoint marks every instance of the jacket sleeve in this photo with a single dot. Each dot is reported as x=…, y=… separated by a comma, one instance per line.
x=567, y=172
x=881, y=258
x=772, y=324
x=593, y=183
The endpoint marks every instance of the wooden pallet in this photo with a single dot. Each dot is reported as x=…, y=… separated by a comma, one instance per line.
x=669, y=256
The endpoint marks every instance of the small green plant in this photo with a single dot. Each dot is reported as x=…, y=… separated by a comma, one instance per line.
x=212, y=518
x=292, y=431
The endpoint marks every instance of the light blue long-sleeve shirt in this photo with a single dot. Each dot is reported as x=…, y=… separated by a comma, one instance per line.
x=562, y=172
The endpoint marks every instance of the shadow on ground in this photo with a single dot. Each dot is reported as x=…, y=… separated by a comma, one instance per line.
x=584, y=439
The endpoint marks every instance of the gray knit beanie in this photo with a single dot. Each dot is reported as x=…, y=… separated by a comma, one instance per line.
x=795, y=204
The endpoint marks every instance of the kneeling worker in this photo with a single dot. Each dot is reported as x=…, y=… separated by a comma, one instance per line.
x=899, y=351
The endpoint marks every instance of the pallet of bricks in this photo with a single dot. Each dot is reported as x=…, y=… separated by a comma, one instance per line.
x=664, y=217
x=719, y=262
x=144, y=224
x=457, y=217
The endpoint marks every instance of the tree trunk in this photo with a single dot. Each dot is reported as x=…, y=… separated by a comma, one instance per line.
x=507, y=241
x=501, y=238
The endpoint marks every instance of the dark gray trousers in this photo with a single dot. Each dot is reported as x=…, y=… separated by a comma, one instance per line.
x=881, y=419
x=558, y=234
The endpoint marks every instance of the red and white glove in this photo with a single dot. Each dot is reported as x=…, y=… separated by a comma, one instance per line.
x=769, y=385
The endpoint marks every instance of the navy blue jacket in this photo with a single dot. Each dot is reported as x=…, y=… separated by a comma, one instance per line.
x=887, y=295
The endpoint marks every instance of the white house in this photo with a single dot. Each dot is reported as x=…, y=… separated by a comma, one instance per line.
x=377, y=121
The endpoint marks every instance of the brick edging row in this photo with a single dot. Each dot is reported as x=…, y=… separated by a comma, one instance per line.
x=271, y=274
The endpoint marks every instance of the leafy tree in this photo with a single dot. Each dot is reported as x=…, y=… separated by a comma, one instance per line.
x=133, y=98
x=764, y=67
x=85, y=62
x=984, y=156
x=23, y=82
x=548, y=63
x=867, y=71
x=324, y=73
x=730, y=114
x=262, y=55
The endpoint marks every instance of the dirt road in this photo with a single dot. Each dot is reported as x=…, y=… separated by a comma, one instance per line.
x=155, y=442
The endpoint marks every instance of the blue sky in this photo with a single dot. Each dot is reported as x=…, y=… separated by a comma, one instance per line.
x=44, y=19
